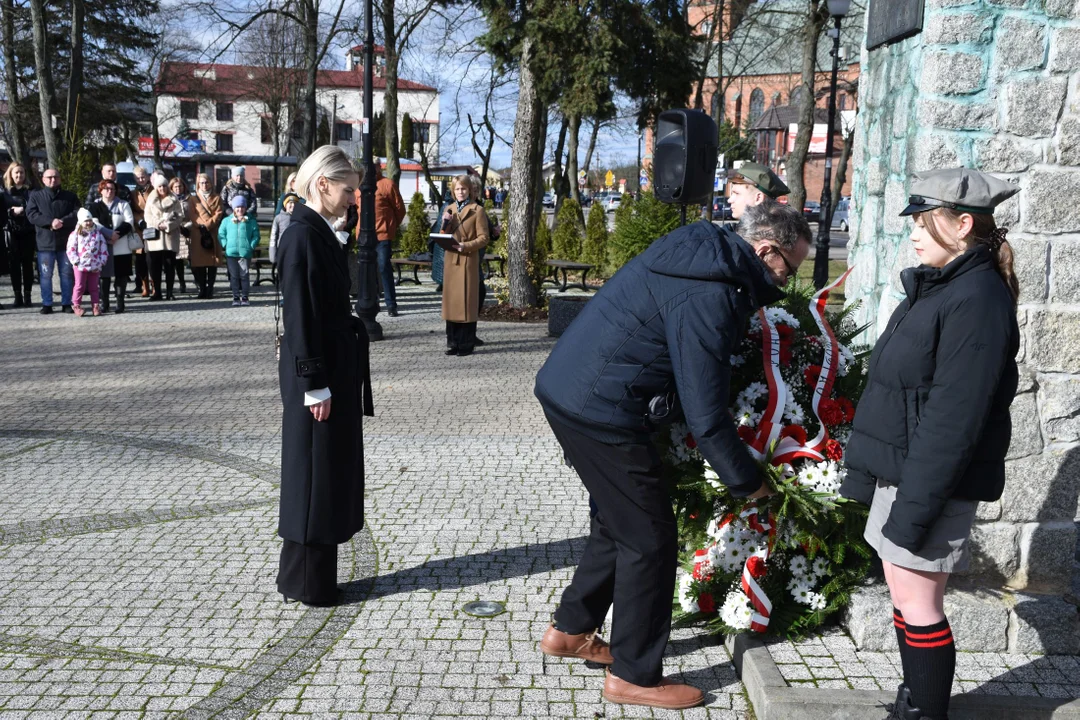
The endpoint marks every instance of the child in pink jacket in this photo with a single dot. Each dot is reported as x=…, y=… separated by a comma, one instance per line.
x=88, y=251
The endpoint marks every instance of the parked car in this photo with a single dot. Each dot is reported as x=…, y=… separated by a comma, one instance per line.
x=840, y=214
x=585, y=200
x=721, y=209
x=612, y=203
x=549, y=200
x=811, y=210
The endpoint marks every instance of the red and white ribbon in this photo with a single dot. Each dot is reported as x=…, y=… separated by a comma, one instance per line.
x=759, y=620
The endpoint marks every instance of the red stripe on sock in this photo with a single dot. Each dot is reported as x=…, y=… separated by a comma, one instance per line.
x=899, y=624
x=938, y=643
x=929, y=636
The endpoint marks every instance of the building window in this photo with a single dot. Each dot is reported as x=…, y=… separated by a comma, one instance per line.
x=266, y=132
x=738, y=111
x=718, y=108
x=223, y=142
x=757, y=104
x=189, y=109
x=193, y=135
x=776, y=99
x=224, y=112
x=843, y=102
x=421, y=133
x=343, y=131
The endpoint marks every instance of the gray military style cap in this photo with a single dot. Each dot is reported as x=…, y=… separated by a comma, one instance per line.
x=760, y=177
x=960, y=189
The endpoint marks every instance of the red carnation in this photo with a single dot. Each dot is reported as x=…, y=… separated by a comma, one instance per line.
x=690, y=441
x=795, y=432
x=706, y=603
x=811, y=373
x=786, y=332
x=785, y=354
x=756, y=566
x=746, y=434
x=833, y=450
x=831, y=413
x=847, y=407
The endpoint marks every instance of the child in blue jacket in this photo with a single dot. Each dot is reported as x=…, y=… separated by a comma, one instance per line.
x=239, y=236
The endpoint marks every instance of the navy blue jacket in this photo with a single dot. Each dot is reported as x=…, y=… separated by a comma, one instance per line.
x=667, y=322
x=934, y=417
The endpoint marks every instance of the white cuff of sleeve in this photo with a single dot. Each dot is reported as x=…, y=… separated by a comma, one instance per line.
x=316, y=396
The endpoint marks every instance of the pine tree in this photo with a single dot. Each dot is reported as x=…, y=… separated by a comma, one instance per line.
x=637, y=224
x=407, y=141
x=566, y=240
x=596, y=238
x=537, y=266
x=415, y=236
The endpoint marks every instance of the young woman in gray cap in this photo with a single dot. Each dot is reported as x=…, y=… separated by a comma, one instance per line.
x=932, y=427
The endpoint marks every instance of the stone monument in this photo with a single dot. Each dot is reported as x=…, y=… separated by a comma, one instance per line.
x=994, y=85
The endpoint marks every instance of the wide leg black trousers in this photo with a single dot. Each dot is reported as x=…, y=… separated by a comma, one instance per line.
x=631, y=556
x=308, y=573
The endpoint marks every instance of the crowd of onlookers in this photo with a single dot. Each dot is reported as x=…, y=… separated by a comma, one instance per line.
x=150, y=235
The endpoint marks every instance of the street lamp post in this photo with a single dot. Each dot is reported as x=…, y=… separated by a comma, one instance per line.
x=367, y=294
x=837, y=9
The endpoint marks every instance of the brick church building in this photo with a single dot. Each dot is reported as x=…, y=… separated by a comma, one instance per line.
x=753, y=75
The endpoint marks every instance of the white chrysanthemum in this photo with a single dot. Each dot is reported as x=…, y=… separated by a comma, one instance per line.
x=736, y=611
x=809, y=476
x=793, y=411
x=817, y=601
x=736, y=360
x=746, y=416
x=798, y=566
x=820, y=567
x=844, y=359
x=802, y=592
x=686, y=602
x=779, y=315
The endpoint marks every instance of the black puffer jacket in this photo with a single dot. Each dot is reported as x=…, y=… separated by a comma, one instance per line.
x=934, y=418
x=667, y=322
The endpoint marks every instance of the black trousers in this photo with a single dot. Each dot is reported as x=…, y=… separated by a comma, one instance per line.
x=159, y=260
x=460, y=336
x=630, y=558
x=141, y=270
x=204, y=278
x=20, y=255
x=308, y=573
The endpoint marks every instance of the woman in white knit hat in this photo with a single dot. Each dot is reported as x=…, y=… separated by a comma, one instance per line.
x=164, y=216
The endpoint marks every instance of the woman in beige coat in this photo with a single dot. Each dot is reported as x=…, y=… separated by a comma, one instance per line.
x=165, y=214
x=206, y=255
x=468, y=222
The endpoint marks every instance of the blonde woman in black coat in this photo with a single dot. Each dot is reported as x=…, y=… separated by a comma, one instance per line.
x=325, y=386
x=932, y=427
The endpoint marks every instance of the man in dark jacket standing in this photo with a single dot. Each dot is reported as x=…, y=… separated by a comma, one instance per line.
x=51, y=211
x=108, y=172
x=662, y=329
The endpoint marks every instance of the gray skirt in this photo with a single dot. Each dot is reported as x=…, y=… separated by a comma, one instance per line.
x=946, y=546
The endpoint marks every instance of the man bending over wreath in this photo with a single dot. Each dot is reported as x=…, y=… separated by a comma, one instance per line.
x=658, y=335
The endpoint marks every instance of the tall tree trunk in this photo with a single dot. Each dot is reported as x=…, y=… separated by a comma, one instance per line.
x=19, y=148
x=155, y=130
x=571, y=160
x=390, y=95
x=75, y=71
x=815, y=20
x=717, y=29
x=46, y=92
x=841, y=167
x=311, y=58
x=592, y=146
x=524, y=159
x=558, y=177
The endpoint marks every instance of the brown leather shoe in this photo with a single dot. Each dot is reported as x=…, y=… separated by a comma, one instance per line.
x=668, y=694
x=586, y=646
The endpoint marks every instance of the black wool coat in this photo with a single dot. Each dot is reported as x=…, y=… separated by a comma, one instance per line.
x=666, y=323
x=46, y=205
x=934, y=418
x=324, y=345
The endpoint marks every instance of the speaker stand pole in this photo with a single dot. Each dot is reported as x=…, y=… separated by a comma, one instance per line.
x=682, y=215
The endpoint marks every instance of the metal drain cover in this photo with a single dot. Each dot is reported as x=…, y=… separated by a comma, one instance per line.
x=483, y=608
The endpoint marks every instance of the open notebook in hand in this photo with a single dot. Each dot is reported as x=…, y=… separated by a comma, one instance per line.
x=444, y=240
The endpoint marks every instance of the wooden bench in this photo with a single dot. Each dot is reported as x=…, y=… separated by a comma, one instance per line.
x=566, y=266
x=414, y=264
x=260, y=263
x=488, y=259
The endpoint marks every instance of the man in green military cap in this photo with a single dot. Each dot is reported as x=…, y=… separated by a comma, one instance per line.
x=751, y=183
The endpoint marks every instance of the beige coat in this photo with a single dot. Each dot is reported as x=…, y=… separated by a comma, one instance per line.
x=167, y=211
x=207, y=213
x=461, y=271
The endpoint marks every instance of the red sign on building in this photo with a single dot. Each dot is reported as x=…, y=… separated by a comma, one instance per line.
x=146, y=146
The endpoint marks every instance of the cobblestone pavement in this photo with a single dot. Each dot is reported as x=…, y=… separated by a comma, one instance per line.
x=138, y=467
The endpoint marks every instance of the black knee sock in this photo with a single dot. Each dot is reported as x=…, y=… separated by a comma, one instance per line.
x=929, y=665
x=898, y=623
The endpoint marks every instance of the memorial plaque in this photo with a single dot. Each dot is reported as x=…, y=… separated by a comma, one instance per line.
x=890, y=21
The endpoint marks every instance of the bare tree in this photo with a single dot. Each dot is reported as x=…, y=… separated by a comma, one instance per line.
x=14, y=133
x=46, y=89
x=238, y=17
x=75, y=66
x=816, y=16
